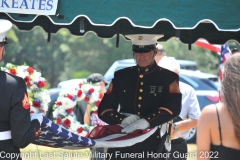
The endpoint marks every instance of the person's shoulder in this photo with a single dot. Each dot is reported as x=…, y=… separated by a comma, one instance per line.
x=11, y=78
x=126, y=70
x=209, y=110
x=162, y=70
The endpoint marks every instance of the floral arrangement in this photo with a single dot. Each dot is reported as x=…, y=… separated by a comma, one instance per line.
x=67, y=100
x=39, y=97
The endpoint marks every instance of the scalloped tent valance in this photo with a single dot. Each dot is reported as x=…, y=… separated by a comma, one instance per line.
x=215, y=21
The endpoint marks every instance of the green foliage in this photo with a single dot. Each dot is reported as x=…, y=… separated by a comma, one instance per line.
x=80, y=74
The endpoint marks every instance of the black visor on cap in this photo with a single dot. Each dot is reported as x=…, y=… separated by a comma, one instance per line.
x=143, y=48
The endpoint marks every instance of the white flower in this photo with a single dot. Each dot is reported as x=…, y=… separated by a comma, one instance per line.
x=75, y=125
x=84, y=133
x=21, y=71
x=62, y=111
x=45, y=97
x=55, y=113
x=68, y=103
x=35, y=76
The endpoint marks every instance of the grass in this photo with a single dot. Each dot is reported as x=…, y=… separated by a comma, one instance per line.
x=192, y=150
x=34, y=152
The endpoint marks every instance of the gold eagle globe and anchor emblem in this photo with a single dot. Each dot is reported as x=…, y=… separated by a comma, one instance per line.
x=140, y=37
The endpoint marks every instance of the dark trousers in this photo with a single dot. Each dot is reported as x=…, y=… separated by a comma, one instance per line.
x=178, y=149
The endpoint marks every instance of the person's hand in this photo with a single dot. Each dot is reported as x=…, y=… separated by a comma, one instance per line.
x=139, y=124
x=37, y=116
x=129, y=120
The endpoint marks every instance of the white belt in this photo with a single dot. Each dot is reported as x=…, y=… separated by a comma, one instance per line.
x=5, y=135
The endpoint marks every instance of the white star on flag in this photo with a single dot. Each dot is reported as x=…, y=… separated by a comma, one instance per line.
x=59, y=129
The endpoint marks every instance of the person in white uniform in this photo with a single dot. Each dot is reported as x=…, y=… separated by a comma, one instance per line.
x=190, y=113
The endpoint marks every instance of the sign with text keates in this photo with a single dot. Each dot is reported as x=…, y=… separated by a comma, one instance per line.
x=38, y=7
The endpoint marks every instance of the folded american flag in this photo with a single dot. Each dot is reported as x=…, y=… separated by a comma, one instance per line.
x=53, y=135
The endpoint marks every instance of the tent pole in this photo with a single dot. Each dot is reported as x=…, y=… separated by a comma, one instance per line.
x=117, y=38
x=82, y=28
x=177, y=34
x=189, y=40
x=49, y=31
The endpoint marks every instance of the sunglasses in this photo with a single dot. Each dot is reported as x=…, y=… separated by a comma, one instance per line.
x=234, y=50
x=3, y=42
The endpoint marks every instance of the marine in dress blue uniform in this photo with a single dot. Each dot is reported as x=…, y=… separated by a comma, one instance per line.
x=151, y=93
x=17, y=128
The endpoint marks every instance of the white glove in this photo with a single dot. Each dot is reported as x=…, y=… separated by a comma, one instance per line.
x=37, y=116
x=129, y=120
x=139, y=124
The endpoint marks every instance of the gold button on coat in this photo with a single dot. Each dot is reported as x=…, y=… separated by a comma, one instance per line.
x=139, y=106
x=140, y=98
x=141, y=83
x=140, y=90
x=141, y=76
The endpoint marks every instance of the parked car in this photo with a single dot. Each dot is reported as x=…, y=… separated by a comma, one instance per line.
x=205, y=85
x=188, y=65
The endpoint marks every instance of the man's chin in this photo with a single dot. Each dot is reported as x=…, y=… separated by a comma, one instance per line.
x=142, y=65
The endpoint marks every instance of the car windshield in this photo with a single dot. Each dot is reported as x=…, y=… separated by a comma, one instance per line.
x=199, y=83
x=189, y=67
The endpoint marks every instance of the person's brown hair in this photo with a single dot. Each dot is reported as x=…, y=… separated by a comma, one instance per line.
x=230, y=90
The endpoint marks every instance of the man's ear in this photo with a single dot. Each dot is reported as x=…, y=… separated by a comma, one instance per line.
x=154, y=52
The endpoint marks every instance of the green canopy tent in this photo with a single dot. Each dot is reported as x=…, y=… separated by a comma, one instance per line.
x=188, y=20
